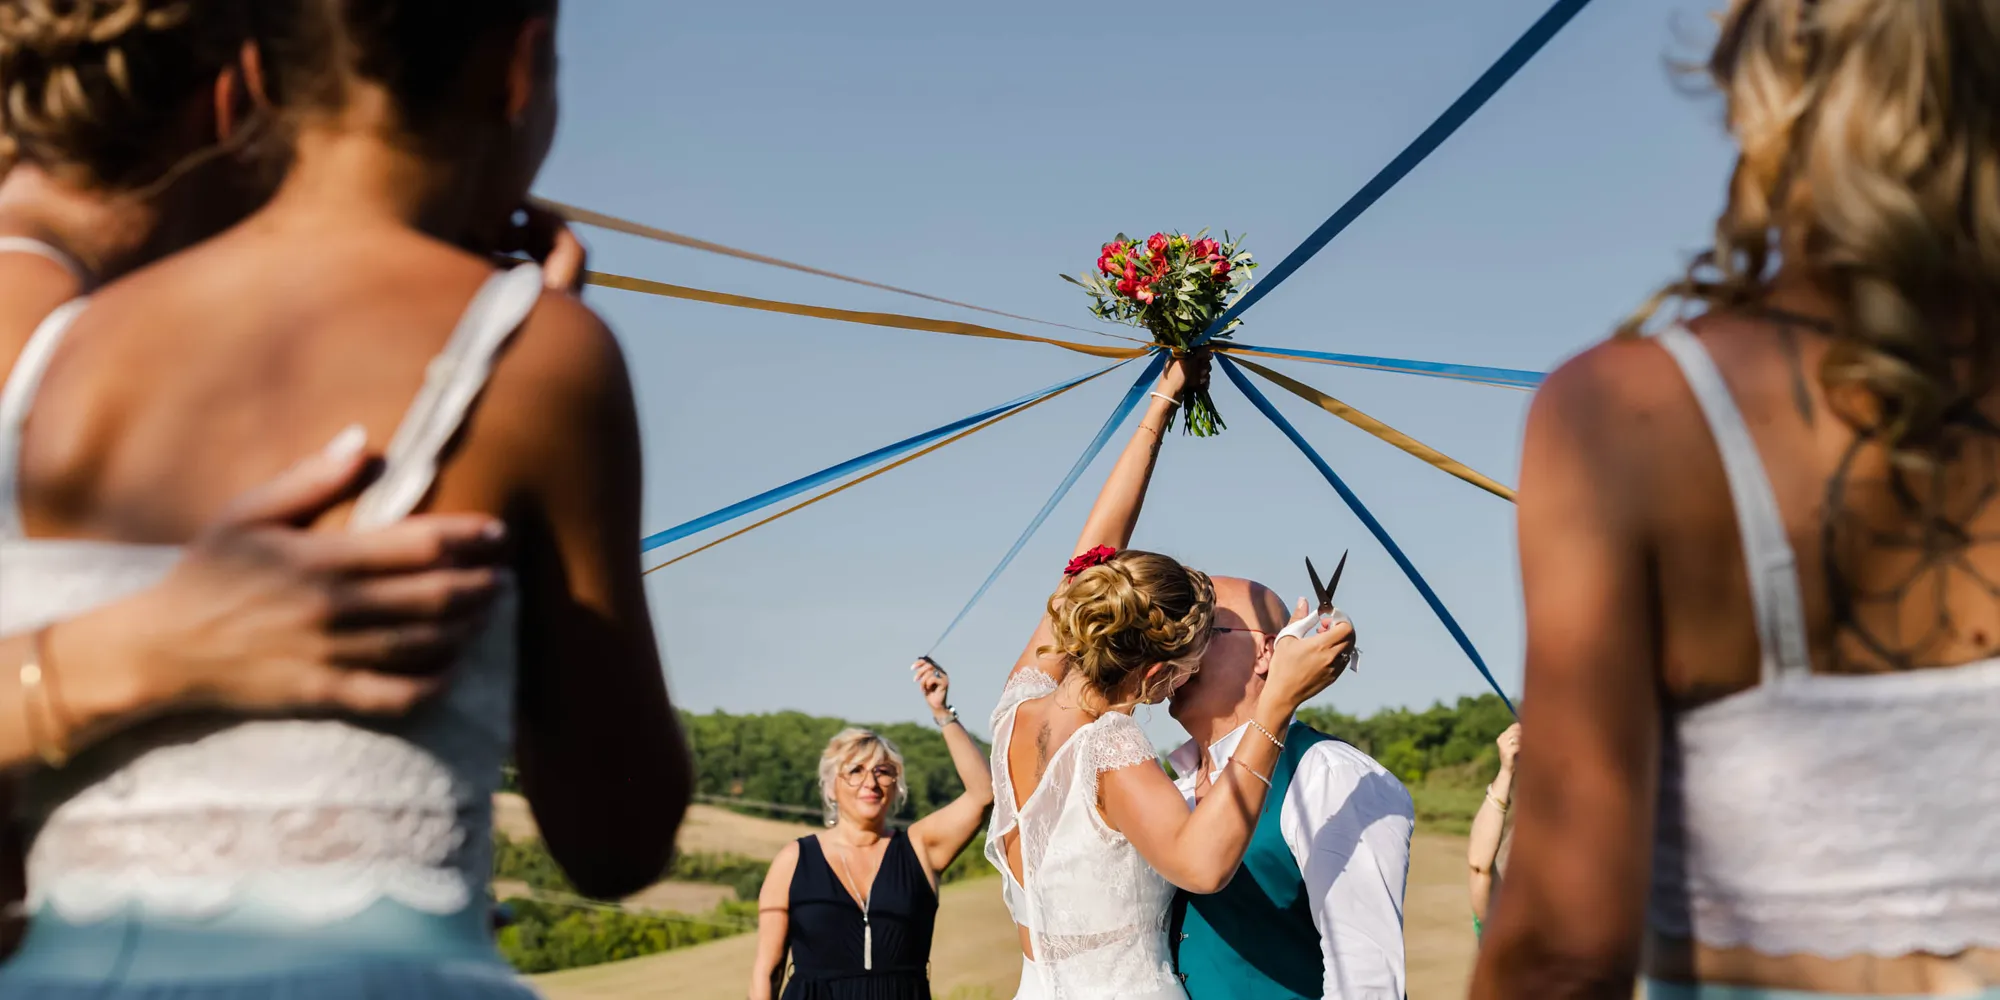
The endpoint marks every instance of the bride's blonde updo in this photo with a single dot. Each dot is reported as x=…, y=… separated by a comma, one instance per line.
x=1115, y=619
x=1869, y=133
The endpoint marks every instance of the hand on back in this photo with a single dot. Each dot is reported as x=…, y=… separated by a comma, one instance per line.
x=263, y=616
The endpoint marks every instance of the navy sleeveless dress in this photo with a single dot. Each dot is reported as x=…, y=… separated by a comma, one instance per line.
x=840, y=954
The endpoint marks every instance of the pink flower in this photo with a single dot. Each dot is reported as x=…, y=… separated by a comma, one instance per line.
x=1205, y=248
x=1145, y=293
x=1131, y=271
x=1128, y=287
x=1157, y=244
x=1221, y=270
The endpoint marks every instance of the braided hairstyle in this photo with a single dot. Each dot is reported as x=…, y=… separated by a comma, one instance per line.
x=1115, y=620
x=98, y=90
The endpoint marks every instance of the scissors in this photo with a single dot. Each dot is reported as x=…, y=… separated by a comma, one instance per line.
x=1326, y=593
x=1310, y=624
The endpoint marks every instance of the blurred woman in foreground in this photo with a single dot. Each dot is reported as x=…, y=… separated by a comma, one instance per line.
x=854, y=907
x=1759, y=554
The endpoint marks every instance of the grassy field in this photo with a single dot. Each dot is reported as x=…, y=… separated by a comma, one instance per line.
x=975, y=955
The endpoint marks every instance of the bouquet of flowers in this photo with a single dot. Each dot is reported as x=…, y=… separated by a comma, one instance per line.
x=1172, y=286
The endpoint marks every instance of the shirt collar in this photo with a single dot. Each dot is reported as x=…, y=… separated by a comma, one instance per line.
x=1188, y=756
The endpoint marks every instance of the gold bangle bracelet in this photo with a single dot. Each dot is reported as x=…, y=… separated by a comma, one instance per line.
x=37, y=707
x=1253, y=771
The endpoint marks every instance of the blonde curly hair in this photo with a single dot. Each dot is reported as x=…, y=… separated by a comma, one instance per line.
x=1115, y=620
x=1869, y=133
x=865, y=748
x=98, y=89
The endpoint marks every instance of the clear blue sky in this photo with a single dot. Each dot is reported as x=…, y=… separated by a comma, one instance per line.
x=976, y=151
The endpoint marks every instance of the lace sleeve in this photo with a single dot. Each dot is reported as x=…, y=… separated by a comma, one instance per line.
x=1027, y=684
x=1118, y=743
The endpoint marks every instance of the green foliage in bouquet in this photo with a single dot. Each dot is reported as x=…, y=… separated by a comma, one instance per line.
x=1173, y=286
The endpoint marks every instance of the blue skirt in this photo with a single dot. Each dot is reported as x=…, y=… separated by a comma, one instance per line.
x=388, y=951
x=1709, y=991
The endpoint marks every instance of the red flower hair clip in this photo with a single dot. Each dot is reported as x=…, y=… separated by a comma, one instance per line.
x=1095, y=557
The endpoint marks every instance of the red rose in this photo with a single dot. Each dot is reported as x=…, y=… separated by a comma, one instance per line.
x=1132, y=271
x=1128, y=286
x=1221, y=269
x=1158, y=244
x=1095, y=557
x=1205, y=248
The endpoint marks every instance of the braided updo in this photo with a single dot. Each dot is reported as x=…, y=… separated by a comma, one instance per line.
x=1114, y=620
x=100, y=88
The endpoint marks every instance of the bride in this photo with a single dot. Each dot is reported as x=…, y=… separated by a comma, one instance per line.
x=1089, y=833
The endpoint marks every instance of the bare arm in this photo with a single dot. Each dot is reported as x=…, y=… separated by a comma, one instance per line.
x=599, y=748
x=1116, y=512
x=774, y=924
x=1482, y=850
x=1572, y=921
x=940, y=836
x=260, y=616
x=1200, y=850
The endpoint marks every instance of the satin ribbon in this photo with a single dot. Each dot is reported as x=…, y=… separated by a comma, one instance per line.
x=1461, y=110
x=1510, y=378
x=1374, y=527
x=893, y=320
x=852, y=465
x=858, y=480
x=1383, y=431
x=1124, y=409
x=587, y=217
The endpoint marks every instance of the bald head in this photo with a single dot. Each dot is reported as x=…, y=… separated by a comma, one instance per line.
x=1248, y=604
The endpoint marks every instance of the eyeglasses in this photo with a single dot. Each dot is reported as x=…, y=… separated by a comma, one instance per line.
x=884, y=776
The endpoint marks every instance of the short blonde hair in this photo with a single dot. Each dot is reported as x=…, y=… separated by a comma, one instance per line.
x=858, y=746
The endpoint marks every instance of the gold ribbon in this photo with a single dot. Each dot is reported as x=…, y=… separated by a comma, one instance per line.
x=893, y=320
x=850, y=484
x=1239, y=352
x=1379, y=429
x=617, y=225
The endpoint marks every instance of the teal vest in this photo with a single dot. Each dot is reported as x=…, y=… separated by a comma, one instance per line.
x=1255, y=940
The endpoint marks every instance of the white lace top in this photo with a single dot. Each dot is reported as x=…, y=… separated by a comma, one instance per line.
x=1829, y=815
x=298, y=821
x=1096, y=912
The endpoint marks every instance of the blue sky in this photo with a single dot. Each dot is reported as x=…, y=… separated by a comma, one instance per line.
x=977, y=151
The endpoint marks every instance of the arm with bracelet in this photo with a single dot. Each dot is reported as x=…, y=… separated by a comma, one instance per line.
x=941, y=836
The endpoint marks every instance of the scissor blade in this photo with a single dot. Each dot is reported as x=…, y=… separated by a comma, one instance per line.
x=1318, y=591
x=1337, y=570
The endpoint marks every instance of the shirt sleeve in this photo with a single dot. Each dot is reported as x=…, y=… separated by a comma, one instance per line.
x=1349, y=828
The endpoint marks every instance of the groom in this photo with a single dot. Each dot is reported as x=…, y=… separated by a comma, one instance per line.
x=1316, y=909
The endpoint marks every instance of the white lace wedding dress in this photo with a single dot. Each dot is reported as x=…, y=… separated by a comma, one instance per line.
x=1095, y=911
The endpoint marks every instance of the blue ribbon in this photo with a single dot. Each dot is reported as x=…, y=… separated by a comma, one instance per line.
x=1374, y=527
x=831, y=473
x=1511, y=377
x=1124, y=410
x=1482, y=89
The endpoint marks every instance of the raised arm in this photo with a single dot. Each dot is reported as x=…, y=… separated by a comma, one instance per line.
x=1116, y=511
x=1571, y=923
x=599, y=748
x=1482, y=849
x=1200, y=850
x=940, y=836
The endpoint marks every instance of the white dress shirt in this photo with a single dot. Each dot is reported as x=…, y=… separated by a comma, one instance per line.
x=1348, y=822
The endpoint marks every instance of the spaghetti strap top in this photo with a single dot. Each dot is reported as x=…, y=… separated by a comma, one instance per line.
x=29, y=245
x=282, y=821
x=1822, y=814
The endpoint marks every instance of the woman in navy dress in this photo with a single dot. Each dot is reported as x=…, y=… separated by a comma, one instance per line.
x=854, y=906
